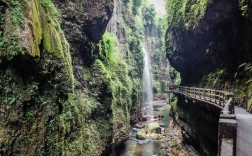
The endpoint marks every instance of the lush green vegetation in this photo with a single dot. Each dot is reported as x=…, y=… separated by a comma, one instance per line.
x=243, y=84
x=116, y=71
x=34, y=90
x=175, y=80
x=185, y=13
x=136, y=6
x=149, y=15
x=245, y=69
x=16, y=12
x=8, y=38
x=244, y=6
x=175, y=76
x=174, y=101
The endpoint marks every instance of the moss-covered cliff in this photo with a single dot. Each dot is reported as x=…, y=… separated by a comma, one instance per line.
x=154, y=33
x=66, y=88
x=209, y=43
x=36, y=77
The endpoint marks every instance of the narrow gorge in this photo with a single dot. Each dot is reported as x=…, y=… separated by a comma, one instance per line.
x=96, y=78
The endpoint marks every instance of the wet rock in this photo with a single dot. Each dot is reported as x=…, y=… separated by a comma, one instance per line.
x=97, y=18
x=146, y=141
x=161, y=124
x=152, y=126
x=154, y=136
x=141, y=135
x=139, y=126
x=136, y=129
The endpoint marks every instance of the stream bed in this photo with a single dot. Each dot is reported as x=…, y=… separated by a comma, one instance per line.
x=148, y=147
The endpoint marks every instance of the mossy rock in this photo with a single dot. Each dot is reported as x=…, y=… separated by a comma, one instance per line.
x=141, y=135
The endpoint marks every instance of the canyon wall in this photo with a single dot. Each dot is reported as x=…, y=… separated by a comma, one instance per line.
x=66, y=87
x=209, y=43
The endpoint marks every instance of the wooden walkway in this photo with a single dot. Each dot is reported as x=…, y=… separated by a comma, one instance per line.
x=235, y=123
x=218, y=98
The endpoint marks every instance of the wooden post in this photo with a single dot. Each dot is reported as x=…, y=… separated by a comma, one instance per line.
x=231, y=106
x=216, y=96
x=211, y=92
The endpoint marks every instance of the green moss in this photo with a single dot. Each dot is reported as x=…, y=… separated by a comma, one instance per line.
x=175, y=76
x=49, y=7
x=48, y=78
x=54, y=40
x=37, y=29
x=11, y=23
x=185, y=13
x=2, y=133
x=214, y=79
x=16, y=11
x=74, y=123
x=89, y=140
x=174, y=101
x=91, y=136
x=114, y=74
x=243, y=94
x=163, y=86
x=107, y=48
x=44, y=26
x=14, y=93
x=50, y=29
x=99, y=66
x=13, y=47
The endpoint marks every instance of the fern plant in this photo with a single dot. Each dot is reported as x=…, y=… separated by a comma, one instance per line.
x=245, y=69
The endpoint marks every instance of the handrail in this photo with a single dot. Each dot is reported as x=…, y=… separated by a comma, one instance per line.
x=221, y=99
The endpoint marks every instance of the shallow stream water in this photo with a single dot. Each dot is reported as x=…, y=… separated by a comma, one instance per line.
x=132, y=148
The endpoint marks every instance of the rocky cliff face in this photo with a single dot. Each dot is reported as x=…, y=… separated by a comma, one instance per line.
x=121, y=29
x=215, y=40
x=64, y=85
x=209, y=45
x=199, y=123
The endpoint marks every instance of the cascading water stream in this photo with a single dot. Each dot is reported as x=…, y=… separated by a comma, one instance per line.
x=147, y=108
x=148, y=146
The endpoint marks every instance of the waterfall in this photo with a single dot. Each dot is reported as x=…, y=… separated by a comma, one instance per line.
x=147, y=108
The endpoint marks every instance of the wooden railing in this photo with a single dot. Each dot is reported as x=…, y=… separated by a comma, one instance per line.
x=227, y=122
x=221, y=99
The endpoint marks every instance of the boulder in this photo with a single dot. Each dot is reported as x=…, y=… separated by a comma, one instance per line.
x=153, y=126
x=141, y=135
